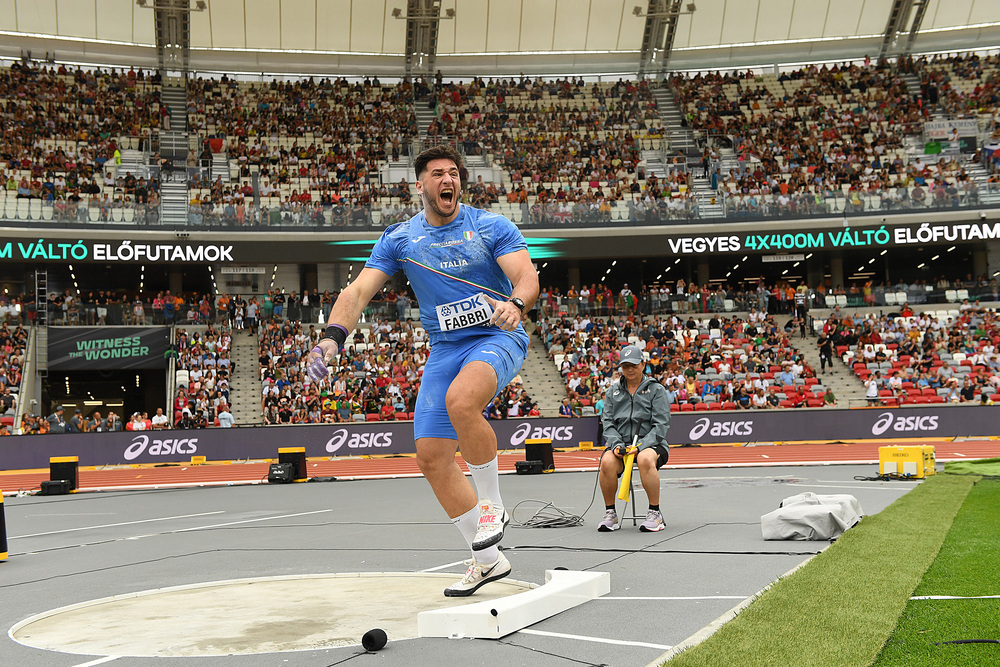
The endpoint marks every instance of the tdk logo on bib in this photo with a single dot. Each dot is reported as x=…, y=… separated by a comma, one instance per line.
x=464, y=313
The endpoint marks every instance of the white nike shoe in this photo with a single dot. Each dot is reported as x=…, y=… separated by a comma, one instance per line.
x=477, y=575
x=492, y=521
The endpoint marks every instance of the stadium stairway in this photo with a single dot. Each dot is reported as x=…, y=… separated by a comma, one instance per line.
x=174, y=200
x=709, y=202
x=846, y=387
x=175, y=97
x=244, y=386
x=912, y=82
x=425, y=117
x=542, y=381
x=681, y=137
x=220, y=166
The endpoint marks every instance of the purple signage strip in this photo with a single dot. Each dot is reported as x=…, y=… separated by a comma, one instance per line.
x=373, y=438
x=223, y=444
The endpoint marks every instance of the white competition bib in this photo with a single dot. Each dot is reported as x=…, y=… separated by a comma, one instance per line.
x=463, y=313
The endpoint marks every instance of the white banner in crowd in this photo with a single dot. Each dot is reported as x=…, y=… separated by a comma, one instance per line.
x=941, y=129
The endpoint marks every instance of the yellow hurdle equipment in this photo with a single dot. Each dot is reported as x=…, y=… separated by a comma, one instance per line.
x=914, y=461
x=3, y=532
x=626, y=483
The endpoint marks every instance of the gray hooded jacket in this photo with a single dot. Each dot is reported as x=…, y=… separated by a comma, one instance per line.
x=646, y=413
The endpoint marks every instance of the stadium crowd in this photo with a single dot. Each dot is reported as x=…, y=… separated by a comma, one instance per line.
x=204, y=368
x=376, y=377
x=12, y=346
x=727, y=363
x=922, y=357
x=60, y=140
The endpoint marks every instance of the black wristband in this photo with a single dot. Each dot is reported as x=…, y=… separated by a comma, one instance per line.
x=336, y=333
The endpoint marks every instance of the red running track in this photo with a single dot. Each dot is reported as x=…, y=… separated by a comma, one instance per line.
x=181, y=475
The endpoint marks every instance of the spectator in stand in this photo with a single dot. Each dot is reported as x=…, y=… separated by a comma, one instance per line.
x=872, y=386
x=566, y=410
x=97, y=423
x=159, y=421
x=224, y=416
x=56, y=422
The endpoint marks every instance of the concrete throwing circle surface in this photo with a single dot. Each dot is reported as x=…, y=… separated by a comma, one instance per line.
x=247, y=616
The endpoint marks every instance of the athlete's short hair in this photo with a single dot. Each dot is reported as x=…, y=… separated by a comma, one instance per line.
x=439, y=152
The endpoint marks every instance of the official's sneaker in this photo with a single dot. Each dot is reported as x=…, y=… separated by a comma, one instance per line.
x=653, y=522
x=609, y=522
x=492, y=521
x=477, y=575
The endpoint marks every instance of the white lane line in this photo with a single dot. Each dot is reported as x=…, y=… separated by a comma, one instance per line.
x=693, y=597
x=599, y=640
x=713, y=627
x=444, y=567
x=955, y=597
x=264, y=518
x=765, y=456
x=845, y=486
x=99, y=661
x=113, y=525
x=957, y=454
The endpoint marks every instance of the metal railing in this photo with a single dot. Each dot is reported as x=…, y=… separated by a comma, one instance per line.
x=676, y=207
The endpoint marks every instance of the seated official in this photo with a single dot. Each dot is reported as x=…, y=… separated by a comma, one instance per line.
x=636, y=417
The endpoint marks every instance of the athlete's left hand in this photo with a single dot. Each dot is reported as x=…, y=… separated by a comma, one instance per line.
x=505, y=314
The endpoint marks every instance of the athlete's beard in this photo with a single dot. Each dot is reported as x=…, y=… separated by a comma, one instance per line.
x=433, y=202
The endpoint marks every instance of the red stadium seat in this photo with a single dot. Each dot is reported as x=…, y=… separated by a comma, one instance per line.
x=814, y=403
x=701, y=406
x=935, y=399
x=686, y=407
x=787, y=404
x=729, y=405
x=928, y=392
x=812, y=381
x=400, y=416
x=372, y=417
x=715, y=406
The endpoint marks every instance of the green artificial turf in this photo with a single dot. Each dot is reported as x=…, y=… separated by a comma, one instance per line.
x=839, y=608
x=990, y=467
x=968, y=565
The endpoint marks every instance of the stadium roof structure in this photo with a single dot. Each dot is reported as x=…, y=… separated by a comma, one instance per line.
x=356, y=37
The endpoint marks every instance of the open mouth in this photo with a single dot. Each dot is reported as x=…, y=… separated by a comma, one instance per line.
x=447, y=196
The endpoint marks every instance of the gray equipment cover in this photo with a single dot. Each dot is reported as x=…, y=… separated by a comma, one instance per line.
x=811, y=517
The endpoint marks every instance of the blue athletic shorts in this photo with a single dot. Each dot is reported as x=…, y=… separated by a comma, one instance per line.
x=504, y=351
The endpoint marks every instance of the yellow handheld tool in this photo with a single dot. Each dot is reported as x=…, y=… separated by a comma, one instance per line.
x=626, y=482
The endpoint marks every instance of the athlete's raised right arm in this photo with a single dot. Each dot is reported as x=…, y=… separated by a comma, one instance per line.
x=343, y=318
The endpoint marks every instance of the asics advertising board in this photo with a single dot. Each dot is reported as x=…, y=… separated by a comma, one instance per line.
x=223, y=444
x=374, y=438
